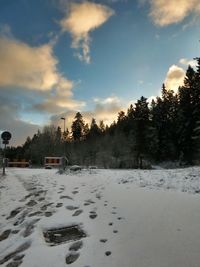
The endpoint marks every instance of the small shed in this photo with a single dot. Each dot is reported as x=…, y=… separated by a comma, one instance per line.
x=59, y=162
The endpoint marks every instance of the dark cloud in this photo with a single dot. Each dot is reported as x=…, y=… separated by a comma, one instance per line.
x=10, y=120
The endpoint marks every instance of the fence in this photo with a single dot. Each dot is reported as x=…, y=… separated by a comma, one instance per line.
x=23, y=163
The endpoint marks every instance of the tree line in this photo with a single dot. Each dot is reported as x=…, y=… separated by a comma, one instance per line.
x=167, y=129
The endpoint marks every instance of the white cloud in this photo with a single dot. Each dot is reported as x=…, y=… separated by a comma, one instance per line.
x=35, y=69
x=25, y=66
x=105, y=109
x=150, y=98
x=187, y=62
x=56, y=104
x=80, y=20
x=174, y=78
x=168, y=12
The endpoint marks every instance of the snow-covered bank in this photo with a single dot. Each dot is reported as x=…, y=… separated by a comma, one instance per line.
x=131, y=218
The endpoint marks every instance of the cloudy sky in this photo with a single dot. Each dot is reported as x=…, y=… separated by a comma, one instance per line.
x=58, y=57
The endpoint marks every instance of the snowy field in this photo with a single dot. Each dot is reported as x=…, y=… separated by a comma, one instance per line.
x=130, y=218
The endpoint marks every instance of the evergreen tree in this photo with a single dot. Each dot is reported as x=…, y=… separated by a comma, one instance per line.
x=141, y=122
x=78, y=127
x=102, y=126
x=186, y=117
x=94, y=131
x=196, y=112
x=86, y=130
x=164, y=121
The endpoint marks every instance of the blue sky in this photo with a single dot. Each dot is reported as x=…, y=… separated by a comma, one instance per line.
x=58, y=57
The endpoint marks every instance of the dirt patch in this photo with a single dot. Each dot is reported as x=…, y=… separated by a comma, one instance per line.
x=58, y=236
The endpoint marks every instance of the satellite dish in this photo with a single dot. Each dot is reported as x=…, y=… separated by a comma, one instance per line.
x=6, y=136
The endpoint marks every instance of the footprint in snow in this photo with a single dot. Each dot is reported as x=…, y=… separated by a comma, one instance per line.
x=62, y=188
x=13, y=213
x=76, y=246
x=34, y=213
x=31, y=203
x=5, y=234
x=93, y=215
x=15, y=253
x=58, y=205
x=21, y=218
x=72, y=257
x=68, y=197
x=44, y=207
x=108, y=253
x=41, y=199
x=17, y=261
x=15, y=231
x=48, y=214
x=88, y=202
x=77, y=212
x=75, y=192
x=103, y=240
x=72, y=207
x=98, y=195
x=30, y=228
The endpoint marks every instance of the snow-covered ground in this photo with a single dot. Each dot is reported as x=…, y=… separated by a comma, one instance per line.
x=132, y=218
